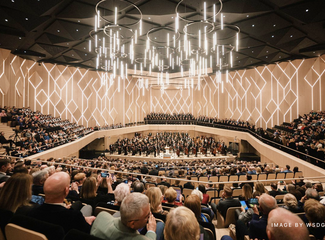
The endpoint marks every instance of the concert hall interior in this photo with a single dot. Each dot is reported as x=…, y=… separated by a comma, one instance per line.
x=206, y=98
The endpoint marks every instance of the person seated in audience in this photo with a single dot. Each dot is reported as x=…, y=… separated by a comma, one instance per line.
x=257, y=226
x=318, y=187
x=79, y=178
x=138, y=186
x=162, y=188
x=310, y=194
x=56, y=188
x=259, y=186
x=5, y=168
x=88, y=192
x=177, y=184
x=291, y=203
x=225, y=202
x=247, y=193
x=193, y=202
x=204, y=209
x=181, y=224
x=164, y=182
x=287, y=169
x=275, y=190
x=206, y=197
x=170, y=196
x=315, y=214
x=155, y=199
x=39, y=178
x=16, y=194
x=135, y=215
x=295, y=228
x=189, y=185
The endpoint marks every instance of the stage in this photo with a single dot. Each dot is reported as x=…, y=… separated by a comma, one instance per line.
x=173, y=158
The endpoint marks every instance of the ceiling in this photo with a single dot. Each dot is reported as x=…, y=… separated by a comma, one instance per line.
x=57, y=31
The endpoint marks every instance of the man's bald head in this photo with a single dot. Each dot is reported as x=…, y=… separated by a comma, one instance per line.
x=56, y=187
x=284, y=225
x=267, y=203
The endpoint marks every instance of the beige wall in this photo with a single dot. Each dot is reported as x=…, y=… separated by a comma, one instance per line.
x=265, y=95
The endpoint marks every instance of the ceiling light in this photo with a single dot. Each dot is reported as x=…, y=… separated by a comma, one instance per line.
x=291, y=36
x=247, y=15
x=307, y=10
x=253, y=25
x=6, y=20
x=273, y=36
x=58, y=30
x=274, y=25
x=26, y=19
x=77, y=30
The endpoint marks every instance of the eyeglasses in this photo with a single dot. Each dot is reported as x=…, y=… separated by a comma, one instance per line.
x=146, y=217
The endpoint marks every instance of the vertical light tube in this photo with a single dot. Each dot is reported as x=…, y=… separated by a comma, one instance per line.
x=115, y=18
x=214, y=13
x=221, y=21
x=205, y=11
x=140, y=28
x=231, y=61
x=176, y=22
x=221, y=86
x=96, y=23
x=199, y=38
x=98, y=19
x=237, y=41
x=227, y=76
x=89, y=45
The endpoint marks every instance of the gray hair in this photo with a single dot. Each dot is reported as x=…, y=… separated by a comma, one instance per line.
x=267, y=202
x=121, y=191
x=198, y=193
x=312, y=194
x=39, y=176
x=132, y=207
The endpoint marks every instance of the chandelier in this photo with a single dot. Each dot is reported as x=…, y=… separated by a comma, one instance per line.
x=194, y=48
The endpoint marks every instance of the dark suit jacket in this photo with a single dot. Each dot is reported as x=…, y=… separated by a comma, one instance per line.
x=226, y=203
x=189, y=185
x=164, y=183
x=59, y=215
x=257, y=227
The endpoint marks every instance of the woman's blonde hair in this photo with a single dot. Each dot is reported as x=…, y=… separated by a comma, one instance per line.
x=170, y=195
x=16, y=192
x=181, y=224
x=290, y=200
x=89, y=188
x=155, y=196
x=260, y=187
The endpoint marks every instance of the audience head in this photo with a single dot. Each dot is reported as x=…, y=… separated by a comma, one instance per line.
x=135, y=210
x=290, y=201
x=247, y=191
x=89, y=188
x=181, y=224
x=56, y=187
x=193, y=202
x=163, y=189
x=202, y=189
x=170, y=195
x=197, y=193
x=312, y=194
x=5, y=165
x=227, y=192
x=315, y=211
x=80, y=178
x=121, y=191
x=16, y=192
x=155, y=197
x=39, y=177
x=259, y=186
x=138, y=187
x=295, y=230
x=309, y=185
x=267, y=203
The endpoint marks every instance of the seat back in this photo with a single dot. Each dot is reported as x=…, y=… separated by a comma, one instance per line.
x=15, y=232
x=49, y=230
x=242, y=178
x=279, y=198
x=187, y=192
x=223, y=178
x=280, y=175
x=236, y=192
x=230, y=217
x=254, y=176
x=100, y=209
x=233, y=178
x=204, y=179
x=210, y=233
x=262, y=176
x=289, y=175
x=212, y=193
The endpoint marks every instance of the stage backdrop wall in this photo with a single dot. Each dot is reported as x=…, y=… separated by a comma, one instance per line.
x=266, y=96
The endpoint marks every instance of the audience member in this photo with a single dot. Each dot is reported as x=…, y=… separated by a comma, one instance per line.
x=226, y=202
x=135, y=214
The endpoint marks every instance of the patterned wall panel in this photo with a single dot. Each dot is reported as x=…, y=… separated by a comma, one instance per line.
x=265, y=95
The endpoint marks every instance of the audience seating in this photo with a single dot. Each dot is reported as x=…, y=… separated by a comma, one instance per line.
x=237, y=192
x=100, y=209
x=15, y=232
x=233, y=178
x=230, y=217
x=212, y=193
x=242, y=178
x=289, y=175
x=279, y=198
x=187, y=192
x=51, y=231
x=210, y=233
